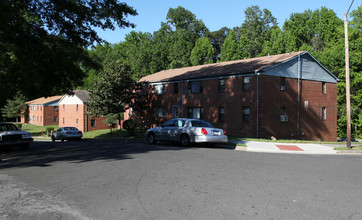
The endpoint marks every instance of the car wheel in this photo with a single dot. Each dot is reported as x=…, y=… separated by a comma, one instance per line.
x=24, y=146
x=151, y=138
x=185, y=140
x=61, y=139
x=53, y=139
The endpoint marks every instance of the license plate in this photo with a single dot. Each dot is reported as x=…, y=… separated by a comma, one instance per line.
x=217, y=133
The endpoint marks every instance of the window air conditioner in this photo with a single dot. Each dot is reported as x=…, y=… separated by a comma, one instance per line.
x=283, y=118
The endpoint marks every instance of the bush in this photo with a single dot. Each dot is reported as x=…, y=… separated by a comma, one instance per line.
x=49, y=131
x=130, y=126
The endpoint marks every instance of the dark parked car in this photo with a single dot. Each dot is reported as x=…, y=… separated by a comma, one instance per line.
x=67, y=133
x=186, y=131
x=10, y=135
x=344, y=139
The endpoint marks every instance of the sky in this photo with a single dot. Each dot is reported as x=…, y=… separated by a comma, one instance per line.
x=217, y=13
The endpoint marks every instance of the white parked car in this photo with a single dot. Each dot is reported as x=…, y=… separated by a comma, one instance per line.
x=67, y=133
x=10, y=135
x=186, y=131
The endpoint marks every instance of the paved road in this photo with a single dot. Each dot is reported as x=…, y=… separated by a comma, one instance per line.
x=109, y=180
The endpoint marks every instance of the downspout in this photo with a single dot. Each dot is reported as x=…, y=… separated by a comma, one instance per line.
x=298, y=121
x=257, y=103
x=86, y=118
x=182, y=98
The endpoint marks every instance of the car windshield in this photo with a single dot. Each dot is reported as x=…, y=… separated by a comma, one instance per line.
x=8, y=127
x=201, y=124
x=70, y=129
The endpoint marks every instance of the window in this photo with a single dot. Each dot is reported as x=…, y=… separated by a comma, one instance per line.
x=175, y=111
x=76, y=107
x=93, y=123
x=76, y=122
x=221, y=85
x=56, y=108
x=63, y=120
x=37, y=118
x=41, y=108
x=41, y=118
x=283, y=114
x=246, y=83
x=324, y=113
x=282, y=83
x=175, y=88
x=324, y=91
x=246, y=114
x=159, y=89
x=221, y=113
x=37, y=108
x=195, y=112
x=63, y=107
x=160, y=112
x=55, y=118
x=195, y=87
x=33, y=117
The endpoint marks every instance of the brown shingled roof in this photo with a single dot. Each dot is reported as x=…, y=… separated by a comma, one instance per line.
x=219, y=69
x=44, y=100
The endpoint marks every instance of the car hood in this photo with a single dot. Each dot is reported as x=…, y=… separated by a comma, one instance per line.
x=13, y=132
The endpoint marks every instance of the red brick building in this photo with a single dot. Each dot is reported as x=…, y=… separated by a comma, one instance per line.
x=288, y=96
x=72, y=113
x=42, y=111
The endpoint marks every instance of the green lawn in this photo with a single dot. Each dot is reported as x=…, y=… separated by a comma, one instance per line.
x=116, y=134
x=36, y=130
x=345, y=148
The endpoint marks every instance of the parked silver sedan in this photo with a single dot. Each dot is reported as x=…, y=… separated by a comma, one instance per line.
x=186, y=131
x=67, y=133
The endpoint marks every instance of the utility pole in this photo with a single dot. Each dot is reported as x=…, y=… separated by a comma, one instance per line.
x=348, y=94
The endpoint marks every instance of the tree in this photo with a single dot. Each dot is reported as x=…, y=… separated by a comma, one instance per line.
x=257, y=29
x=14, y=108
x=217, y=39
x=230, y=48
x=114, y=91
x=43, y=42
x=203, y=52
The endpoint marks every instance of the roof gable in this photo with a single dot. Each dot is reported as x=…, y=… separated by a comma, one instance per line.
x=79, y=97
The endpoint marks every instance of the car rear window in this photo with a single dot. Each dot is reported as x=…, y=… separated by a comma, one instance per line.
x=200, y=124
x=70, y=129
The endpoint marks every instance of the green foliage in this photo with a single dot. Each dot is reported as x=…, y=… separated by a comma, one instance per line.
x=130, y=126
x=203, y=52
x=230, y=50
x=42, y=43
x=14, y=108
x=114, y=90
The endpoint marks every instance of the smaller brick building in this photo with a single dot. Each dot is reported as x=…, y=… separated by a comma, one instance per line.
x=42, y=111
x=72, y=113
x=288, y=96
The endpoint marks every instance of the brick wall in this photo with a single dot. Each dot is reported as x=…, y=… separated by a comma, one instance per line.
x=308, y=125
x=69, y=115
x=48, y=115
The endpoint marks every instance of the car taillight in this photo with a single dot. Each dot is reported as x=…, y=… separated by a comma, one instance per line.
x=224, y=132
x=203, y=131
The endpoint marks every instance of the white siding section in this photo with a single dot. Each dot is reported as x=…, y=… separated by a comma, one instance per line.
x=70, y=100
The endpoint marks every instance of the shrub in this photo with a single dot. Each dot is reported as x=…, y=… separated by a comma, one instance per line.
x=19, y=125
x=49, y=130
x=130, y=126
